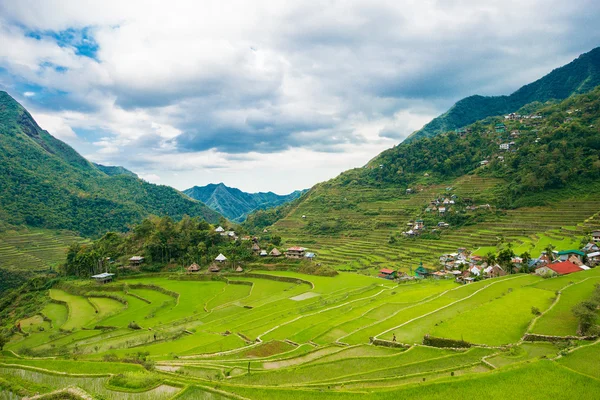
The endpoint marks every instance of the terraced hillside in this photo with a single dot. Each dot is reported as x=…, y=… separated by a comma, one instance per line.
x=286, y=335
x=368, y=217
x=24, y=254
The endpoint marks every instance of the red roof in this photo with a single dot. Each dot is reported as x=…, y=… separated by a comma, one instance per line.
x=386, y=271
x=563, y=268
x=296, y=248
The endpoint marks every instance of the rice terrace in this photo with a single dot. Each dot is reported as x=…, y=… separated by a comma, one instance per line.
x=267, y=200
x=187, y=336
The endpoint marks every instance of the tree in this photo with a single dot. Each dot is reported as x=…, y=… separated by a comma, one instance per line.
x=550, y=252
x=276, y=240
x=586, y=313
x=505, y=259
x=3, y=341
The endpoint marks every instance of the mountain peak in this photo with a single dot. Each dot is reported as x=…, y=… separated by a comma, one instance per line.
x=234, y=203
x=579, y=76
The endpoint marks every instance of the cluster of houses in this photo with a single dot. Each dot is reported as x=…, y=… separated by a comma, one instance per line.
x=465, y=267
x=518, y=117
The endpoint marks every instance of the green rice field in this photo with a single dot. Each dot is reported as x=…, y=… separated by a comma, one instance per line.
x=303, y=337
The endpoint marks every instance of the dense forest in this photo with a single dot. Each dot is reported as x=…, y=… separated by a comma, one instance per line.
x=579, y=76
x=45, y=183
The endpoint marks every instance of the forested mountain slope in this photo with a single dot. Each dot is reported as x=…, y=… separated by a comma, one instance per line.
x=236, y=204
x=543, y=189
x=45, y=183
x=579, y=76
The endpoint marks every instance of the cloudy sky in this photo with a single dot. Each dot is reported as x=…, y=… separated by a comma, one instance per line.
x=269, y=95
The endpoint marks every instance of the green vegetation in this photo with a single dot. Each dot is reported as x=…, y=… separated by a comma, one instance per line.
x=62, y=190
x=579, y=76
x=264, y=339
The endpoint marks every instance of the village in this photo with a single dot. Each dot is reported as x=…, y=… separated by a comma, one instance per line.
x=465, y=267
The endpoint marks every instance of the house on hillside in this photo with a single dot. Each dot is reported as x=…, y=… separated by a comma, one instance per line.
x=214, y=268
x=593, y=259
x=387, y=273
x=220, y=258
x=136, y=261
x=255, y=248
x=309, y=256
x=590, y=248
x=263, y=253
x=104, y=277
x=219, y=229
x=505, y=146
x=575, y=256
x=442, y=210
x=596, y=236
x=239, y=269
x=193, y=268
x=275, y=252
x=560, y=268
x=422, y=272
x=295, y=252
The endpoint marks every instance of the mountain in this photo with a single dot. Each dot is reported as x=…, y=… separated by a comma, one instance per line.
x=579, y=76
x=114, y=170
x=235, y=204
x=45, y=183
x=541, y=186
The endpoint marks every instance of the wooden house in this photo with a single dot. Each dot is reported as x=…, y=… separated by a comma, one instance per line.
x=387, y=273
x=255, y=248
x=296, y=252
x=275, y=253
x=193, y=268
x=136, y=261
x=104, y=277
x=596, y=236
x=214, y=268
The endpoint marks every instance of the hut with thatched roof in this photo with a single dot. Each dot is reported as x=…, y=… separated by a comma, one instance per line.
x=239, y=269
x=275, y=253
x=193, y=268
x=255, y=248
x=214, y=268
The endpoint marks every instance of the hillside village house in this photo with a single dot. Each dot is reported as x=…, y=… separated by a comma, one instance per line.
x=219, y=229
x=104, y=277
x=310, y=256
x=193, y=268
x=596, y=236
x=590, y=248
x=220, y=258
x=560, y=268
x=593, y=259
x=255, y=248
x=136, y=261
x=575, y=256
x=295, y=252
x=214, y=268
x=387, y=273
x=275, y=252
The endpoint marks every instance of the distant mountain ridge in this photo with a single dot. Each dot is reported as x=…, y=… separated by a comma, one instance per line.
x=235, y=204
x=114, y=170
x=579, y=76
x=46, y=183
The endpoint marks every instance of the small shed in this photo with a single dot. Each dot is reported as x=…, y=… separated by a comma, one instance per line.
x=193, y=268
x=104, y=277
x=219, y=229
x=136, y=260
x=214, y=268
x=239, y=269
x=220, y=258
x=309, y=256
x=596, y=236
x=263, y=253
x=255, y=248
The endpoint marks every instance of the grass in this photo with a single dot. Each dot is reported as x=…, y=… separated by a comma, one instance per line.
x=560, y=320
x=583, y=360
x=206, y=339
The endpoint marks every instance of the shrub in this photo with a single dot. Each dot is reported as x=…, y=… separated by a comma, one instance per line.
x=134, y=325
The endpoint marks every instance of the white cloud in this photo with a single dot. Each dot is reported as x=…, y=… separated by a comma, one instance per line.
x=268, y=94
